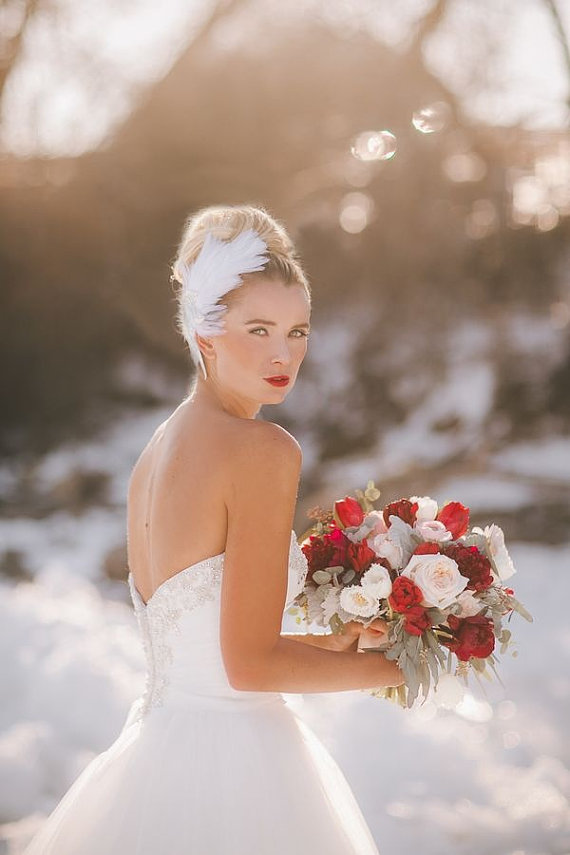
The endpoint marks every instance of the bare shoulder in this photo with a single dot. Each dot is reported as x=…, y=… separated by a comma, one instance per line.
x=262, y=442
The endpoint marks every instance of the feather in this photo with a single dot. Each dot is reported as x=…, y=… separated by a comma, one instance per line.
x=215, y=271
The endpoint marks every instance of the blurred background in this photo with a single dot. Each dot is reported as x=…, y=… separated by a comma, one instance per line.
x=419, y=154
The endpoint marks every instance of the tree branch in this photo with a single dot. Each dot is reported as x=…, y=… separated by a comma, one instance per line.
x=551, y=6
x=12, y=47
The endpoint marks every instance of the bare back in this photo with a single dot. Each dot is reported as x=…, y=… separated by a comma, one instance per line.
x=176, y=513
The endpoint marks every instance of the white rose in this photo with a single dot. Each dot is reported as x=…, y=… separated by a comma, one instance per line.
x=427, y=508
x=438, y=577
x=433, y=530
x=358, y=601
x=384, y=547
x=470, y=605
x=376, y=580
x=497, y=551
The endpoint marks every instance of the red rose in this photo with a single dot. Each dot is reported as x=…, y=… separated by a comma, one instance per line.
x=318, y=553
x=472, y=563
x=348, y=512
x=455, y=518
x=360, y=556
x=473, y=636
x=405, y=594
x=339, y=543
x=426, y=548
x=416, y=620
x=403, y=508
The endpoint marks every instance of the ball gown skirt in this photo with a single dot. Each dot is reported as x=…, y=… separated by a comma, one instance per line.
x=200, y=768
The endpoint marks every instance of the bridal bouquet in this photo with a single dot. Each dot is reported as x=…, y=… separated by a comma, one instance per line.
x=418, y=566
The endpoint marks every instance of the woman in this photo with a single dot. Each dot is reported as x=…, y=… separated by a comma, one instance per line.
x=211, y=760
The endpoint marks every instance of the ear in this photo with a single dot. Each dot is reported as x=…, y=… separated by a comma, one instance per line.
x=206, y=346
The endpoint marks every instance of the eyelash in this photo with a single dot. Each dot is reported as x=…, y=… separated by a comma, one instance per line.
x=303, y=333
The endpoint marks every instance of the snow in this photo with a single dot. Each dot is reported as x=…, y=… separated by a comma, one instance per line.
x=491, y=778
x=547, y=458
x=465, y=393
x=486, y=492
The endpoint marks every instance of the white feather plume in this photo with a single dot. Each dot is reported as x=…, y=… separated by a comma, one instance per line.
x=215, y=271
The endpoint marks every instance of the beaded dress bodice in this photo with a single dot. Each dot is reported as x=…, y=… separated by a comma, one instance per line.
x=179, y=627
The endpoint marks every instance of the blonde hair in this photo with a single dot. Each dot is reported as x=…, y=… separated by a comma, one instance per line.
x=226, y=222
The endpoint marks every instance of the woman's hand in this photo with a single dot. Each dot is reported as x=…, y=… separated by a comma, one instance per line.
x=355, y=632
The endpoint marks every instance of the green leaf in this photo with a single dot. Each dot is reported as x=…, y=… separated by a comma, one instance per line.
x=321, y=577
x=371, y=492
x=434, y=645
x=436, y=616
x=425, y=679
x=518, y=607
x=336, y=624
x=433, y=663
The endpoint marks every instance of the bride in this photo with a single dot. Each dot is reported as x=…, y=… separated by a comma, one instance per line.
x=211, y=760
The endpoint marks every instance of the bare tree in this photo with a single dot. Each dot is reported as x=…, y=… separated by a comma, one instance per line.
x=11, y=46
x=563, y=39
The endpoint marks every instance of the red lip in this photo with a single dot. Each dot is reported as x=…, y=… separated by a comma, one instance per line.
x=278, y=380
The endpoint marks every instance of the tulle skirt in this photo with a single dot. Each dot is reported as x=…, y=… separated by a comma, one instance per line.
x=209, y=779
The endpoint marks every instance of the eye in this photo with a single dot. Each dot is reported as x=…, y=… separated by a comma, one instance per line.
x=303, y=333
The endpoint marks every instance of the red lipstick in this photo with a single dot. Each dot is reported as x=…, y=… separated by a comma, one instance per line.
x=278, y=380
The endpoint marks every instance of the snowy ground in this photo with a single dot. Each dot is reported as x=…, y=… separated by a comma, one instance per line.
x=493, y=777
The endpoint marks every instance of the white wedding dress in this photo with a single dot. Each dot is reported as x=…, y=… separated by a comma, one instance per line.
x=200, y=768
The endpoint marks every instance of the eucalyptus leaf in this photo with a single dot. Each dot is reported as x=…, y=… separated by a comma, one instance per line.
x=371, y=492
x=518, y=607
x=425, y=679
x=392, y=653
x=321, y=577
x=435, y=646
x=348, y=576
x=436, y=616
x=433, y=663
x=413, y=690
x=336, y=624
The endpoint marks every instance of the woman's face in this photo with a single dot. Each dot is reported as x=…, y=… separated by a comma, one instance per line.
x=266, y=329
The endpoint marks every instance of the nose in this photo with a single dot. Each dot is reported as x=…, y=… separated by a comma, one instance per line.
x=282, y=354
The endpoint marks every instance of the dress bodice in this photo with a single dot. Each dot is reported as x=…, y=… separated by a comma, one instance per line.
x=179, y=627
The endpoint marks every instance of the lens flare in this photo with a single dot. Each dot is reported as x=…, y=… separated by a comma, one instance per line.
x=374, y=145
x=432, y=118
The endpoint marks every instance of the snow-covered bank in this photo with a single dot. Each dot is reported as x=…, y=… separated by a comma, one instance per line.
x=494, y=777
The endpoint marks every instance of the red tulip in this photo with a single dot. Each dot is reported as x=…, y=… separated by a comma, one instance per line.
x=455, y=518
x=348, y=512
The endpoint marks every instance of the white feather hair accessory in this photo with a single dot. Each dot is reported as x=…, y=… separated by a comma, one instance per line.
x=215, y=271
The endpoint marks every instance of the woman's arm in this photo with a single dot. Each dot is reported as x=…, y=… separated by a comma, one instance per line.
x=265, y=467
x=346, y=641
x=327, y=641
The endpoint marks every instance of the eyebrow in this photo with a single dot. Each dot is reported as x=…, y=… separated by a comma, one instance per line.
x=272, y=323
